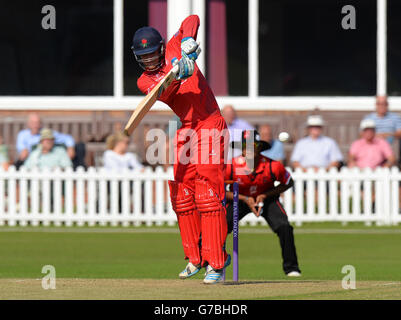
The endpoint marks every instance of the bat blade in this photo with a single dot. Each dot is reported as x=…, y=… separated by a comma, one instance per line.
x=147, y=102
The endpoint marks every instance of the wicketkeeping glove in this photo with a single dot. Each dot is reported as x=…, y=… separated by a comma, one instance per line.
x=190, y=48
x=186, y=67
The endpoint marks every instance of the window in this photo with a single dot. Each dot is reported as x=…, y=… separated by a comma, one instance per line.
x=135, y=17
x=237, y=47
x=304, y=51
x=74, y=59
x=394, y=48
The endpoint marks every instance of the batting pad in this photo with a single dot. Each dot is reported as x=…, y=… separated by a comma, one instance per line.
x=188, y=218
x=213, y=223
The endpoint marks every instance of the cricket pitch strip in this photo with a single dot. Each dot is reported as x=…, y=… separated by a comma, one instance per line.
x=152, y=289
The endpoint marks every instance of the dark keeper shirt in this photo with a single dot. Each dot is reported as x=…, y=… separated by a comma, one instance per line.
x=261, y=179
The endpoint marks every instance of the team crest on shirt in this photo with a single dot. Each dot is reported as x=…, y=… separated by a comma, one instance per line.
x=253, y=189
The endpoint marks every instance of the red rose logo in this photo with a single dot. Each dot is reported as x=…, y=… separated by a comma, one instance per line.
x=144, y=43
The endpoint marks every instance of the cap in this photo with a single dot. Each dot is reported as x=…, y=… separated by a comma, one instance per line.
x=315, y=121
x=146, y=40
x=367, y=124
x=46, y=134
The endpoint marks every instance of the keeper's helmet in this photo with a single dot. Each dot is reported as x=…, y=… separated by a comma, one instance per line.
x=148, y=40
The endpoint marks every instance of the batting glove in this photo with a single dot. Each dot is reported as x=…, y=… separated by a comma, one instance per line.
x=190, y=48
x=186, y=67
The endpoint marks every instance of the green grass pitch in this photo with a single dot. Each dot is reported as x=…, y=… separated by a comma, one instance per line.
x=101, y=254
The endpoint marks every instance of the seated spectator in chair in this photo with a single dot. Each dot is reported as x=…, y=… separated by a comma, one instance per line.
x=4, y=160
x=276, y=151
x=235, y=126
x=388, y=124
x=316, y=150
x=117, y=157
x=370, y=151
x=27, y=139
x=47, y=154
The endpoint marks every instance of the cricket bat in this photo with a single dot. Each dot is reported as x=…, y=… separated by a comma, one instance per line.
x=147, y=102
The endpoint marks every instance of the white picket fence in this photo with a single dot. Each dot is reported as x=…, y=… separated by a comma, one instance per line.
x=100, y=197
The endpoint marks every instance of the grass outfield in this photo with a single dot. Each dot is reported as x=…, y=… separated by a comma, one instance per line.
x=143, y=263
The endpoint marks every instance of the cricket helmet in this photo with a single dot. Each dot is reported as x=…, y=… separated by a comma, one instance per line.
x=148, y=40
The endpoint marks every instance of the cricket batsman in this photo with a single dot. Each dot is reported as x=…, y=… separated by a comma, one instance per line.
x=197, y=191
x=256, y=175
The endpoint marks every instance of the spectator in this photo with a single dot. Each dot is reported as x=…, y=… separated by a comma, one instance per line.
x=4, y=161
x=47, y=155
x=388, y=124
x=276, y=152
x=370, y=151
x=117, y=157
x=316, y=150
x=28, y=139
x=235, y=126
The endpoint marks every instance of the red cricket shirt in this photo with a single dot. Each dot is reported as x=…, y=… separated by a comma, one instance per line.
x=261, y=179
x=191, y=99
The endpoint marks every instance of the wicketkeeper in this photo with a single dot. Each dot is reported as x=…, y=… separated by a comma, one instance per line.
x=256, y=175
x=198, y=187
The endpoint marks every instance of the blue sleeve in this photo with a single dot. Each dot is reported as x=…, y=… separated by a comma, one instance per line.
x=21, y=143
x=397, y=122
x=280, y=150
x=65, y=139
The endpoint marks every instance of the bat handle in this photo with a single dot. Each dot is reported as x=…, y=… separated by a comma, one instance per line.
x=175, y=69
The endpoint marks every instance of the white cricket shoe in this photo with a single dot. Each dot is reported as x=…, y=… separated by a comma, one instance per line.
x=226, y=264
x=213, y=276
x=189, y=270
x=293, y=274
